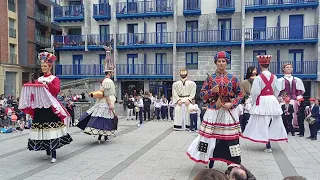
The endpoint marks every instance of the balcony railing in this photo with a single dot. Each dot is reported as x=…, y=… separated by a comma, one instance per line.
x=145, y=38
x=68, y=11
x=277, y=2
x=281, y=33
x=12, y=33
x=11, y=6
x=13, y=59
x=100, y=39
x=191, y=5
x=69, y=40
x=225, y=3
x=144, y=69
x=122, y=69
x=43, y=16
x=208, y=36
x=43, y=40
x=102, y=10
x=299, y=67
x=144, y=7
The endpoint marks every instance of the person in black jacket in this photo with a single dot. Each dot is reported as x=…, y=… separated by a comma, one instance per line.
x=130, y=107
x=313, y=111
x=301, y=116
x=70, y=109
x=287, y=116
x=146, y=106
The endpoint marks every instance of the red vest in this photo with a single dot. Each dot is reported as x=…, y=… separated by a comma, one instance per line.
x=267, y=90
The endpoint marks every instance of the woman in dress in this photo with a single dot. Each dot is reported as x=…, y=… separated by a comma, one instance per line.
x=48, y=130
x=219, y=132
x=99, y=119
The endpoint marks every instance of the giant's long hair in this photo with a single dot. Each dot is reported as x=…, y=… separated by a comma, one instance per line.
x=249, y=71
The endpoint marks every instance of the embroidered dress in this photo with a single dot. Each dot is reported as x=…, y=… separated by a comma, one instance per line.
x=219, y=132
x=265, y=108
x=48, y=131
x=98, y=120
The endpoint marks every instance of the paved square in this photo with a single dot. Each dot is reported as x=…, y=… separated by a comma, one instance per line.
x=151, y=152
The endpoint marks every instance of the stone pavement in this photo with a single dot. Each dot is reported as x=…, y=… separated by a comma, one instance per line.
x=151, y=152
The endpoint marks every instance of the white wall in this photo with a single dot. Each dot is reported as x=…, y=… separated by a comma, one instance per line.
x=272, y=17
x=151, y=24
x=91, y=57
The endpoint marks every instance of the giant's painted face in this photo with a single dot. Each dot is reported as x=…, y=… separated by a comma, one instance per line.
x=221, y=64
x=45, y=67
x=287, y=69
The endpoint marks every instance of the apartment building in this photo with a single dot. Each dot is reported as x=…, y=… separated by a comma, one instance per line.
x=26, y=28
x=153, y=39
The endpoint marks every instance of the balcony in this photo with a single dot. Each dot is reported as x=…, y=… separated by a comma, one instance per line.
x=144, y=71
x=225, y=6
x=12, y=33
x=206, y=38
x=69, y=42
x=41, y=16
x=267, y=5
x=73, y=13
x=101, y=12
x=191, y=7
x=282, y=35
x=123, y=71
x=42, y=40
x=97, y=41
x=145, y=40
x=301, y=69
x=145, y=9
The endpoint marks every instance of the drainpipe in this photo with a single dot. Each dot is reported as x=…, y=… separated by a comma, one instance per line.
x=243, y=15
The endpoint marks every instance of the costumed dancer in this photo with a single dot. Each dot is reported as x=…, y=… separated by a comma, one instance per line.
x=291, y=87
x=246, y=85
x=38, y=99
x=101, y=119
x=183, y=91
x=220, y=130
x=265, y=123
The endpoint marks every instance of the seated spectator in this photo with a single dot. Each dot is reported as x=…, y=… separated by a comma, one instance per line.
x=295, y=178
x=239, y=172
x=210, y=174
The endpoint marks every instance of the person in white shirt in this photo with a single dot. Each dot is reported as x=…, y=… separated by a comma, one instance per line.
x=193, y=109
x=171, y=105
x=140, y=106
x=240, y=110
x=164, y=108
x=157, y=107
x=246, y=113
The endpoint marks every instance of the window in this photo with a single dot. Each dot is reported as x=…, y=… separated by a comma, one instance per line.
x=192, y=60
x=77, y=59
x=13, y=56
x=229, y=64
x=102, y=58
x=12, y=5
x=257, y=53
x=12, y=30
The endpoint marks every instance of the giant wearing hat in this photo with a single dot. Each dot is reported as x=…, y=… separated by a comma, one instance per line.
x=183, y=91
x=266, y=111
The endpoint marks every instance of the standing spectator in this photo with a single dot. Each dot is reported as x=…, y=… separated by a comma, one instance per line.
x=8, y=112
x=157, y=107
x=146, y=106
x=171, y=106
x=74, y=98
x=203, y=107
x=240, y=110
x=193, y=109
x=313, y=111
x=246, y=112
x=70, y=109
x=164, y=108
x=301, y=116
x=2, y=116
x=125, y=101
x=287, y=116
x=130, y=107
x=14, y=119
x=140, y=106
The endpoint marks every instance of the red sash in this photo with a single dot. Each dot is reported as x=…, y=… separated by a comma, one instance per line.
x=267, y=90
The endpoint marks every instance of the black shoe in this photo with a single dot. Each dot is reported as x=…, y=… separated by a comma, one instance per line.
x=313, y=138
x=301, y=135
x=309, y=137
x=293, y=134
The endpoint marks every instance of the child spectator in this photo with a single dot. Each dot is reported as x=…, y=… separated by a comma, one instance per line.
x=193, y=109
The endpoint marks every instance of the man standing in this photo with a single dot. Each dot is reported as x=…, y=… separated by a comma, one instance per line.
x=266, y=111
x=140, y=106
x=313, y=111
x=301, y=116
x=287, y=116
x=183, y=91
x=146, y=106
